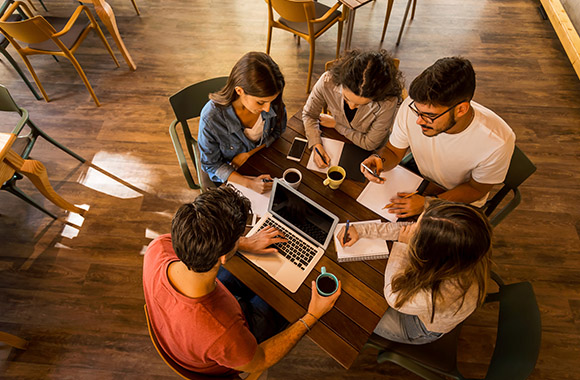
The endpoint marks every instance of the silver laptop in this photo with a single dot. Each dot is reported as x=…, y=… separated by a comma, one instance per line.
x=306, y=225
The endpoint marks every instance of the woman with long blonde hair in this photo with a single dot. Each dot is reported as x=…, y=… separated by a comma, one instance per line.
x=437, y=271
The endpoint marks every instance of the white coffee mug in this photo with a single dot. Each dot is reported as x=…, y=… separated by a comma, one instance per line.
x=292, y=177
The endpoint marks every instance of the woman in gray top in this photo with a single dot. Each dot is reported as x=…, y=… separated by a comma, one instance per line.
x=362, y=92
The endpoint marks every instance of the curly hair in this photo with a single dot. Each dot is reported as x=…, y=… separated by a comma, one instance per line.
x=369, y=74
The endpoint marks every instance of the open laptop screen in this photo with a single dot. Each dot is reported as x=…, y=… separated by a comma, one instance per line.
x=293, y=208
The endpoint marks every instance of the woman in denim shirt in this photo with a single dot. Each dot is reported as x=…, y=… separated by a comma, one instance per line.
x=245, y=115
x=437, y=271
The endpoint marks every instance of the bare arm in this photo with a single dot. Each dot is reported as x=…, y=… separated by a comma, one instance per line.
x=260, y=184
x=272, y=350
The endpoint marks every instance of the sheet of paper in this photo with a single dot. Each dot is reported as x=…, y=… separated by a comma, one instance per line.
x=259, y=201
x=333, y=148
x=363, y=248
x=375, y=196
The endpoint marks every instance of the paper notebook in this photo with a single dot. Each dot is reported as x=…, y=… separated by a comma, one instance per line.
x=363, y=249
x=375, y=196
x=349, y=156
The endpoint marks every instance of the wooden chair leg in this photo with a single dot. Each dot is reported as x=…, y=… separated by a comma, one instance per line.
x=339, y=39
x=81, y=73
x=269, y=41
x=387, y=17
x=413, y=10
x=13, y=340
x=34, y=76
x=102, y=37
x=136, y=7
x=404, y=20
x=310, y=65
x=20, y=72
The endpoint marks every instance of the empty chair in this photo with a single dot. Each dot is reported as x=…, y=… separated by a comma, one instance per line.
x=54, y=36
x=187, y=104
x=23, y=146
x=307, y=19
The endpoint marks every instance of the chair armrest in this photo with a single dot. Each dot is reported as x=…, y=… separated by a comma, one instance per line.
x=71, y=21
x=500, y=215
x=15, y=5
x=181, y=156
x=328, y=13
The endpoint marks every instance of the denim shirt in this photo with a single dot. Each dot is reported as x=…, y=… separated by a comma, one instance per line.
x=221, y=137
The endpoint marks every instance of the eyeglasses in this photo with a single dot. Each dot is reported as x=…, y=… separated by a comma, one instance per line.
x=427, y=118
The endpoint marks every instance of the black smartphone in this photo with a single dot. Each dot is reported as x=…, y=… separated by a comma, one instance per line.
x=297, y=149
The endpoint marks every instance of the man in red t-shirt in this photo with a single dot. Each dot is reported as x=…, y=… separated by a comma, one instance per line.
x=196, y=319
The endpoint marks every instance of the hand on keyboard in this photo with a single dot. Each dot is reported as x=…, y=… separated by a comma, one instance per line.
x=262, y=241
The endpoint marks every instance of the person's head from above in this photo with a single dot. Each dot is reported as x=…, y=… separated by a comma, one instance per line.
x=449, y=241
x=208, y=228
x=367, y=76
x=441, y=95
x=255, y=82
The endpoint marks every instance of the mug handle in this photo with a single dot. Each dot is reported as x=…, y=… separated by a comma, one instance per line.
x=323, y=270
x=325, y=183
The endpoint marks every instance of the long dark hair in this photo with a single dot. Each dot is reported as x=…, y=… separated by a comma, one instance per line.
x=258, y=75
x=452, y=243
x=369, y=74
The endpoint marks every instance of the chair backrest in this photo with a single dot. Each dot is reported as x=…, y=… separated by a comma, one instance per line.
x=7, y=103
x=187, y=104
x=294, y=10
x=519, y=170
x=519, y=333
x=183, y=372
x=31, y=31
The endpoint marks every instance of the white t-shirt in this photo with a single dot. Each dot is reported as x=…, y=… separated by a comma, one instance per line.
x=482, y=151
x=257, y=131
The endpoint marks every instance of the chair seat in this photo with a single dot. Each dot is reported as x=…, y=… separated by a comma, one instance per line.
x=440, y=354
x=302, y=27
x=69, y=39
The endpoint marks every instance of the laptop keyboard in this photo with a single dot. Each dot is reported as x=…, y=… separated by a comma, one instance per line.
x=295, y=250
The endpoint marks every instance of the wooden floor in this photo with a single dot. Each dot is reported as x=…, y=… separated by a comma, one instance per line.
x=76, y=294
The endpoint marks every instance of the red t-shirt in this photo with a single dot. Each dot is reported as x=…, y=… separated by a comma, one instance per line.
x=207, y=335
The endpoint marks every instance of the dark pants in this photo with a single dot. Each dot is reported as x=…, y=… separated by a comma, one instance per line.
x=263, y=320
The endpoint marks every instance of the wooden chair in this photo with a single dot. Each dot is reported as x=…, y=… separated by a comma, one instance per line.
x=20, y=151
x=388, y=15
x=517, y=342
x=4, y=44
x=307, y=19
x=187, y=104
x=41, y=36
x=13, y=340
x=183, y=372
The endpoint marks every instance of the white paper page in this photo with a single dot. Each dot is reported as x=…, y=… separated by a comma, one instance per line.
x=363, y=247
x=259, y=201
x=398, y=180
x=333, y=148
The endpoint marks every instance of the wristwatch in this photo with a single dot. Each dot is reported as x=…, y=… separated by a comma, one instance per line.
x=377, y=155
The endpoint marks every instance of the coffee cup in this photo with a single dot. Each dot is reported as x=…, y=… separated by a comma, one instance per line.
x=292, y=177
x=326, y=283
x=334, y=177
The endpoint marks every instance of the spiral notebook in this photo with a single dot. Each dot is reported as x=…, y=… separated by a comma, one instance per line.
x=364, y=249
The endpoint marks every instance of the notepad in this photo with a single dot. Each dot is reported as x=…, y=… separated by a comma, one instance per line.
x=398, y=180
x=363, y=249
x=349, y=156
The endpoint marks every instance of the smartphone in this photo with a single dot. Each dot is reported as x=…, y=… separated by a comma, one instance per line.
x=297, y=149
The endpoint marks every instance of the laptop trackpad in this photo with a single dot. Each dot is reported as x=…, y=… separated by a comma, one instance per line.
x=271, y=263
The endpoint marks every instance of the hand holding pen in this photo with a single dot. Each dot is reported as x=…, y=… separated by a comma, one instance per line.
x=372, y=167
x=320, y=157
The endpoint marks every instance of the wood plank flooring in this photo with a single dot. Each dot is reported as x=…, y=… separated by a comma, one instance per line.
x=76, y=295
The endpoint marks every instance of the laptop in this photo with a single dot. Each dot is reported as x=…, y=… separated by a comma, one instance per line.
x=306, y=225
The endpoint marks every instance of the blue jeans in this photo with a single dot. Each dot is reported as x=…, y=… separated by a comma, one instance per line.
x=404, y=328
x=264, y=322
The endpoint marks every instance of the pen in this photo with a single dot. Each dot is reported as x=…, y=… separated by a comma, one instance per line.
x=321, y=156
x=405, y=197
x=371, y=171
x=344, y=240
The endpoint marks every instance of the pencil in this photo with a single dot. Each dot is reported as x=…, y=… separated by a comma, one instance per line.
x=344, y=238
x=405, y=197
x=321, y=156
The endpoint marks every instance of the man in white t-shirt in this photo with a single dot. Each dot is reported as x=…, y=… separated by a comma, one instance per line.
x=457, y=143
